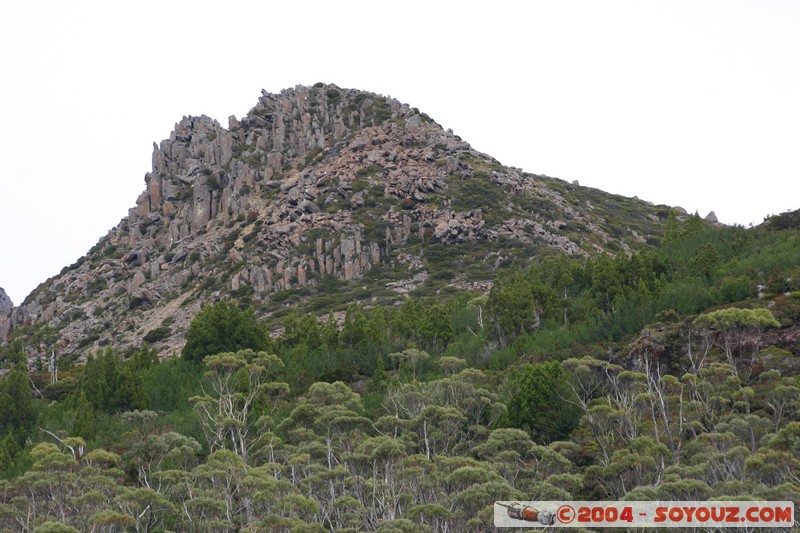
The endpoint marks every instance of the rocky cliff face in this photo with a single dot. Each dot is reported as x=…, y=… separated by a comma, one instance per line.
x=314, y=184
x=6, y=306
x=5, y=302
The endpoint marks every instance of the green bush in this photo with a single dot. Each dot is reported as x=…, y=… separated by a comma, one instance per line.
x=333, y=95
x=539, y=403
x=223, y=327
x=169, y=385
x=157, y=334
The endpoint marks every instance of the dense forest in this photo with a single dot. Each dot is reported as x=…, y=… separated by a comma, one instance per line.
x=670, y=373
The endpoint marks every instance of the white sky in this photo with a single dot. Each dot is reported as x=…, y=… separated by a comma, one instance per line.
x=686, y=103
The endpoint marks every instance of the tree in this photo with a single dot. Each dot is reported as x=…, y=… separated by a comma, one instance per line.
x=129, y=394
x=740, y=334
x=639, y=463
x=299, y=329
x=705, y=260
x=94, y=385
x=152, y=454
x=170, y=384
x=672, y=228
x=84, y=423
x=436, y=331
x=110, y=386
x=363, y=335
x=145, y=506
x=55, y=527
x=409, y=361
x=17, y=414
x=606, y=281
x=9, y=450
x=142, y=359
x=541, y=402
x=451, y=365
x=52, y=483
x=237, y=381
x=14, y=354
x=223, y=327
x=520, y=301
x=405, y=322
x=438, y=429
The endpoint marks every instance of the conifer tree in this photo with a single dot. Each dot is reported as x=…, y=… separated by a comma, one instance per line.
x=223, y=327
x=85, y=422
x=17, y=414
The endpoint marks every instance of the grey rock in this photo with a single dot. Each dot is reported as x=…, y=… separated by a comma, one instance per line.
x=293, y=195
x=6, y=305
x=357, y=200
x=137, y=281
x=309, y=207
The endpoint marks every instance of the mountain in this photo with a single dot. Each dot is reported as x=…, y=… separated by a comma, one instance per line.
x=319, y=197
x=670, y=373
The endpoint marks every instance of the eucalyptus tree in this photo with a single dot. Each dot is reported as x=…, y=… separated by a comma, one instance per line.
x=740, y=334
x=228, y=410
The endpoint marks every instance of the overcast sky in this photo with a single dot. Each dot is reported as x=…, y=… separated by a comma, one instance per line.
x=685, y=103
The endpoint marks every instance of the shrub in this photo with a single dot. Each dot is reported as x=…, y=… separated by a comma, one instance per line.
x=333, y=95
x=157, y=334
x=537, y=402
x=223, y=327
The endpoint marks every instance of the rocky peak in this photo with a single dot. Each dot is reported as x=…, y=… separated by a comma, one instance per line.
x=204, y=172
x=315, y=185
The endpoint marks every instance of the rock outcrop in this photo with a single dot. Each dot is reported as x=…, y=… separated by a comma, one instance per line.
x=315, y=183
x=6, y=305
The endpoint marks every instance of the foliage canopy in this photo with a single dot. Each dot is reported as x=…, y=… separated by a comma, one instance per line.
x=224, y=327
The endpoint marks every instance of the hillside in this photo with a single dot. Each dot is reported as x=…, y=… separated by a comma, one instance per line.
x=396, y=331
x=318, y=197
x=667, y=374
